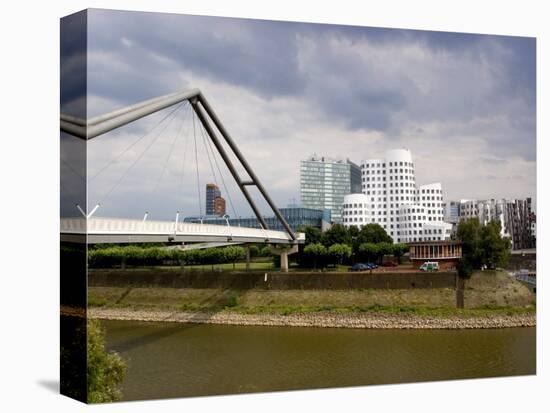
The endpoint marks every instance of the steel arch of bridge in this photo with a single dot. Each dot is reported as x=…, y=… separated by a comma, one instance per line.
x=92, y=128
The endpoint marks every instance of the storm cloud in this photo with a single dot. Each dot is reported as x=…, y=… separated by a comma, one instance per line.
x=464, y=104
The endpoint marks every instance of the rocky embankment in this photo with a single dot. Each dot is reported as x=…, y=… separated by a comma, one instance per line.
x=319, y=319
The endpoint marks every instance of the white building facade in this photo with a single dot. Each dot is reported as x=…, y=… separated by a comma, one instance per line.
x=391, y=199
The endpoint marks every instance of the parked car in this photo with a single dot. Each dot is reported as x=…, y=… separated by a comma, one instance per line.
x=430, y=266
x=359, y=267
x=363, y=267
x=390, y=264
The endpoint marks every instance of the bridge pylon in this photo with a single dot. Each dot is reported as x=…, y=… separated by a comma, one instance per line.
x=92, y=128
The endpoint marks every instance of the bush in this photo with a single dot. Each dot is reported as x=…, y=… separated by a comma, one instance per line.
x=105, y=369
x=232, y=301
x=254, y=251
x=265, y=251
x=133, y=255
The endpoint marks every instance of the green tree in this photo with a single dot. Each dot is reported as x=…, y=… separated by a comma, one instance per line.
x=468, y=232
x=481, y=246
x=399, y=250
x=371, y=233
x=337, y=234
x=369, y=251
x=265, y=251
x=464, y=268
x=339, y=253
x=254, y=250
x=317, y=253
x=233, y=254
x=313, y=234
x=385, y=248
x=353, y=231
x=105, y=369
x=495, y=249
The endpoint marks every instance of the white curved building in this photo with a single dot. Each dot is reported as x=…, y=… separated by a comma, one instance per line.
x=355, y=210
x=407, y=213
x=431, y=197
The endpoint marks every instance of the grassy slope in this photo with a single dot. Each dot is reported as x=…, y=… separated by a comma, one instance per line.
x=486, y=293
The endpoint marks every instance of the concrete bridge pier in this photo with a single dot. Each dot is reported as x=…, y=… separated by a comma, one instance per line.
x=284, y=252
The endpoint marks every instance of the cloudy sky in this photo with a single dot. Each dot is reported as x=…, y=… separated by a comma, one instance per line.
x=463, y=104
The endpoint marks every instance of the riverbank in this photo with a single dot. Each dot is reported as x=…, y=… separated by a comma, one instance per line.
x=492, y=300
x=326, y=319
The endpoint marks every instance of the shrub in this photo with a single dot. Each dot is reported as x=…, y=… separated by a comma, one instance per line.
x=232, y=301
x=105, y=369
x=135, y=255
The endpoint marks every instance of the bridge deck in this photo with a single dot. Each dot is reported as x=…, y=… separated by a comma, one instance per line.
x=116, y=230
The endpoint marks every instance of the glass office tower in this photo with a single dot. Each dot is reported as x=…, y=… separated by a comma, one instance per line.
x=325, y=181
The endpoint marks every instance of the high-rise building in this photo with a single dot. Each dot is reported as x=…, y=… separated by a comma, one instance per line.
x=451, y=212
x=391, y=199
x=215, y=204
x=517, y=221
x=219, y=206
x=325, y=181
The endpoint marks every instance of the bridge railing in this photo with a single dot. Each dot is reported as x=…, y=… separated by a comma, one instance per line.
x=529, y=279
x=139, y=227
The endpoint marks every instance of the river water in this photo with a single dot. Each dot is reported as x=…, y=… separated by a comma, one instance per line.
x=177, y=360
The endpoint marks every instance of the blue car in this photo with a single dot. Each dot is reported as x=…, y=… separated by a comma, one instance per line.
x=359, y=267
x=362, y=267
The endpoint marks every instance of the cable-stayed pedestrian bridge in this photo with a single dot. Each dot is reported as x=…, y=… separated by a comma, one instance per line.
x=121, y=231
x=204, y=125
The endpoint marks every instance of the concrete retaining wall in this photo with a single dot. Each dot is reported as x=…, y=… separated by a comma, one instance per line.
x=275, y=281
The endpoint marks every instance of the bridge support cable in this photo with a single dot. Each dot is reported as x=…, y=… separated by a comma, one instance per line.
x=125, y=150
x=125, y=173
x=185, y=144
x=199, y=111
x=68, y=165
x=201, y=108
x=171, y=150
x=197, y=170
x=211, y=150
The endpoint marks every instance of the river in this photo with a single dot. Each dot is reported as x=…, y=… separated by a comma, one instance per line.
x=177, y=360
